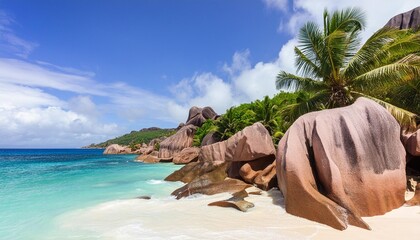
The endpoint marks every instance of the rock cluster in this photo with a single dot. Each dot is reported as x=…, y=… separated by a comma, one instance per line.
x=332, y=166
x=117, y=149
x=197, y=116
x=229, y=166
x=175, y=143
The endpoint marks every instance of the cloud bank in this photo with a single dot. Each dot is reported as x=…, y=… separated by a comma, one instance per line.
x=33, y=111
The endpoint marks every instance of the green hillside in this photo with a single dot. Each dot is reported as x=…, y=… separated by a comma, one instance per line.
x=135, y=137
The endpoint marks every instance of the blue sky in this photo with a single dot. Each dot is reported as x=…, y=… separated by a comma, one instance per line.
x=77, y=72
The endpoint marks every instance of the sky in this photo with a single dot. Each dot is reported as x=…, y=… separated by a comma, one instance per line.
x=76, y=72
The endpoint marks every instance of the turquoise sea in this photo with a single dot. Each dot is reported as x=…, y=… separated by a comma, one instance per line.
x=38, y=186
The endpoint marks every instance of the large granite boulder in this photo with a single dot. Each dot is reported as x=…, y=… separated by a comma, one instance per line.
x=334, y=166
x=410, y=19
x=145, y=158
x=197, y=116
x=145, y=149
x=114, y=149
x=175, y=143
x=261, y=172
x=211, y=182
x=251, y=144
x=187, y=155
x=210, y=138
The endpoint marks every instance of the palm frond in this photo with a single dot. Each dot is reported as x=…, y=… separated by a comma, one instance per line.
x=304, y=105
x=347, y=20
x=305, y=65
x=405, y=69
x=335, y=47
x=385, y=46
x=290, y=81
x=407, y=95
x=405, y=118
x=311, y=45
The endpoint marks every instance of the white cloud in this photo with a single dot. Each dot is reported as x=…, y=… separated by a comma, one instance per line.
x=9, y=41
x=203, y=89
x=212, y=91
x=50, y=127
x=377, y=13
x=12, y=95
x=20, y=72
x=32, y=105
x=257, y=82
x=240, y=62
x=276, y=4
x=83, y=105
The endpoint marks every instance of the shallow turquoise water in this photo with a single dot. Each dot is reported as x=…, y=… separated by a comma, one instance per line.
x=37, y=186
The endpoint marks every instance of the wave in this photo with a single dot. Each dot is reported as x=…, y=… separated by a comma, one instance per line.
x=189, y=218
x=155, y=182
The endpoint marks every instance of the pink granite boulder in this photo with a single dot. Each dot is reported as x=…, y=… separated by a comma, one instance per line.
x=175, y=143
x=187, y=155
x=335, y=166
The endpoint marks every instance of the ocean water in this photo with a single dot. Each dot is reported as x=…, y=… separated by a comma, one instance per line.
x=39, y=186
x=81, y=194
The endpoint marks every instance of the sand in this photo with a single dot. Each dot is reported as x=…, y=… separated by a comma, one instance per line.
x=191, y=218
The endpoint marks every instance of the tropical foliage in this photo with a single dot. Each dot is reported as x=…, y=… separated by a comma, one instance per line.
x=207, y=127
x=266, y=111
x=136, y=137
x=335, y=68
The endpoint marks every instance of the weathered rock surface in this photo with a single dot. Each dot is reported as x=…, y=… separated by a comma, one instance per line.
x=155, y=141
x=205, y=179
x=411, y=142
x=237, y=201
x=147, y=159
x=146, y=150
x=187, y=155
x=209, y=187
x=260, y=172
x=197, y=116
x=224, y=159
x=210, y=138
x=194, y=170
x=334, y=166
x=416, y=199
x=115, y=149
x=175, y=143
x=410, y=19
x=251, y=143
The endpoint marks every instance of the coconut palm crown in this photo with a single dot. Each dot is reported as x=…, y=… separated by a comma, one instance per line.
x=336, y=69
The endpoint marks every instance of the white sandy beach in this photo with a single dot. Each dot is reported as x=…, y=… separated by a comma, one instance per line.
x=191, y=218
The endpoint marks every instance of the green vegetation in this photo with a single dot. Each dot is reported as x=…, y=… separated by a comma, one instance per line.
x=207, y=127
x=266, y=111
x=136, y=137
x=336, y=69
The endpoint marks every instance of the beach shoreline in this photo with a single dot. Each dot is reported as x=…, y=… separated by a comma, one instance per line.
x=191, y=218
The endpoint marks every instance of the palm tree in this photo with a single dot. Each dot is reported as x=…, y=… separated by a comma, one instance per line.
x=335, y=69
x=266, y=112
x=228, y=124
